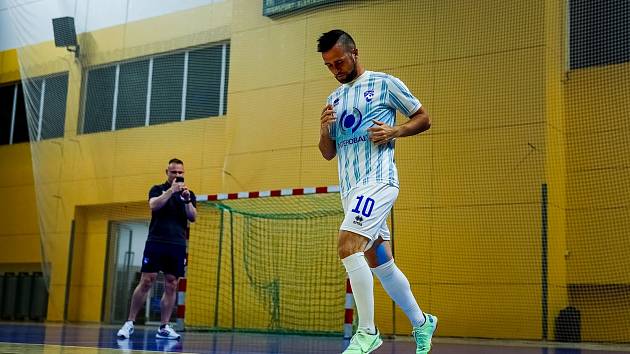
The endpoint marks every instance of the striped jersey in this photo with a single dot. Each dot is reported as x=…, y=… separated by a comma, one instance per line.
x=371, y=96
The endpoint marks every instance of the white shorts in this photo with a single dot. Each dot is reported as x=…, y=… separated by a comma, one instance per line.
x=366, y=209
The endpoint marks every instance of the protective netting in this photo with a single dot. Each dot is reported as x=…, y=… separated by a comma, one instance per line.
x=513, y=214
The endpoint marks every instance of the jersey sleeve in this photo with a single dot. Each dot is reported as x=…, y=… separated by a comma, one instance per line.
x=400, y=98
x=155, y=191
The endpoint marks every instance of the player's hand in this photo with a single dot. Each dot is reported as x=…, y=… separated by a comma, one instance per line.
x=177, y=186
x=327, y=118
x=382, y=133
x=186, y=193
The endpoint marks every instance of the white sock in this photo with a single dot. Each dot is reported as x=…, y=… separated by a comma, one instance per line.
x=362, y=284
x=398, y=288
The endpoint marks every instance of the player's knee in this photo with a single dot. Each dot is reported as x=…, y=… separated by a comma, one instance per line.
x=345, y=248
x=170, y=287
x=344, y=252
x=146, y=282
x=170, y=284
x=350, y=244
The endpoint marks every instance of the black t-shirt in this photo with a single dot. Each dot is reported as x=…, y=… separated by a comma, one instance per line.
x=169, y=223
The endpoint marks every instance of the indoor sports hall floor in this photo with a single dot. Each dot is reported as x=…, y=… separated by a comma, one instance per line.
x=59, y=338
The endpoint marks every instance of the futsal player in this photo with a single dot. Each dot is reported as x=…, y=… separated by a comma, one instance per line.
x=358, y=126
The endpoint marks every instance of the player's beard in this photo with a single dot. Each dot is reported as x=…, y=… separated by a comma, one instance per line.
x=351, y=75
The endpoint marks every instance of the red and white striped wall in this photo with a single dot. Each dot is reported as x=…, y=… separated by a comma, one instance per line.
x=181, y=303
x=349, y=312
x=269, y=193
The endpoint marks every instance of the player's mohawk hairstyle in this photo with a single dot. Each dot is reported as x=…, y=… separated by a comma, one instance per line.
x=328, y=40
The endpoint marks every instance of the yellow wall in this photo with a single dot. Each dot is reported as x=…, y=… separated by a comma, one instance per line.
x=506, y=119
x=9, y=69
x=20, y=232
x=598, y=185
x=598, y=147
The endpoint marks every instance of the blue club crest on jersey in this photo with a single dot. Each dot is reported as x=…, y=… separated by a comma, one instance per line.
x=350, y=122
x=369, y=94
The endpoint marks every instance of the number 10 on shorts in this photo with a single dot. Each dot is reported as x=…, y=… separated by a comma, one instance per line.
x=367, y=206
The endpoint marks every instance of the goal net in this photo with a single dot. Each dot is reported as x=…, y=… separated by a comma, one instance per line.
x=267, y=264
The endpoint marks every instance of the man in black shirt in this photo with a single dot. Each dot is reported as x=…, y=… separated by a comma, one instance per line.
x=172, y=205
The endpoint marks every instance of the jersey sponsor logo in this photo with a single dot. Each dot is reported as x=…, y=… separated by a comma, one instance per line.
x=336, y=101
x=358, y=220
x=369, y=94
x=350, y=122
x=356, y=139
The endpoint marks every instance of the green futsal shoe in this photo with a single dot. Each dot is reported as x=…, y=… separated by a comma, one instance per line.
x=423, y=334
x=363, y=343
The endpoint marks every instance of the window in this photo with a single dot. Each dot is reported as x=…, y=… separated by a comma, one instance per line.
x=99, y=97
x=7, y=98
x=598, y=32
x=46, y=102
x=53, y=117
x=165, y=88
x=20, y=123
x=132, y=95
x=206, y=94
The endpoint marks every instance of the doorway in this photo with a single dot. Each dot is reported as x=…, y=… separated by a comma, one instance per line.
x=126, y=246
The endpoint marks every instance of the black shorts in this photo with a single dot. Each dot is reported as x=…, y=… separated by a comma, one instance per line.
x=165, y=257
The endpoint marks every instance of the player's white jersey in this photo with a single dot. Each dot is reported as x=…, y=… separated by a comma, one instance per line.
x=371, y=96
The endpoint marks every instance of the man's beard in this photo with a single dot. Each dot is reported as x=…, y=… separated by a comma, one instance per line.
x=351, y=75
